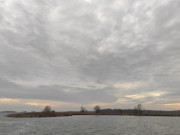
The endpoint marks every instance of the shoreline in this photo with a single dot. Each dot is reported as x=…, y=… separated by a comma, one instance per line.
x=67, y=114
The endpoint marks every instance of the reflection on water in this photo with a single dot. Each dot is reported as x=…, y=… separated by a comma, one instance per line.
x=90, y=125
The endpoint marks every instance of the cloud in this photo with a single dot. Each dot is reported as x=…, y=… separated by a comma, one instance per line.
x=90, y=51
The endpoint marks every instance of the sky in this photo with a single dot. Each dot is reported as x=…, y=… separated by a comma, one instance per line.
x=73, y=53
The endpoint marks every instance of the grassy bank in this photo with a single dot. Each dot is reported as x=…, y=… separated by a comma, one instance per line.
x=61, y=114
x=38, y=114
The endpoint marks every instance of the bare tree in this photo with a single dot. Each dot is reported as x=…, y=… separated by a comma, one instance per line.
x=138, y=109
x=48, y=109
x=83, y=109
x=97, y=109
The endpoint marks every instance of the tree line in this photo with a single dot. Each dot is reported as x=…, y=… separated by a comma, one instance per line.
x=139, y=109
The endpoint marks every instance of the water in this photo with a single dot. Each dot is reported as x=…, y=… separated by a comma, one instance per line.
x=90, y=125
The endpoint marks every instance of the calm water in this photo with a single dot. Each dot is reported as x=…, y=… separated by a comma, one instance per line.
x=90, y=125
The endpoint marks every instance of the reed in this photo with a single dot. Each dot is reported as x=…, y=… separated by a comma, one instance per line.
x=62, y=114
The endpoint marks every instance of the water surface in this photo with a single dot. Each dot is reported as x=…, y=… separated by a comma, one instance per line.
x=91, y=125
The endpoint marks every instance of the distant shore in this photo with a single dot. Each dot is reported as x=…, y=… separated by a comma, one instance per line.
x=65, y=114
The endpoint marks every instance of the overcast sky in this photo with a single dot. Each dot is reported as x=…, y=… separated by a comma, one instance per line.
x=68, y=53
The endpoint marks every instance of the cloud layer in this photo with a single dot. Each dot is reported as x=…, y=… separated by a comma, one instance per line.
x=114, y=53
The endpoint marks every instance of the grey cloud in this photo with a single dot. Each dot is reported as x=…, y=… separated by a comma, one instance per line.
x=75, y=42
x=57, y=93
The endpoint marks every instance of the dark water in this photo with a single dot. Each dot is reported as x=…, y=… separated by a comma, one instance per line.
x=90, y=125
